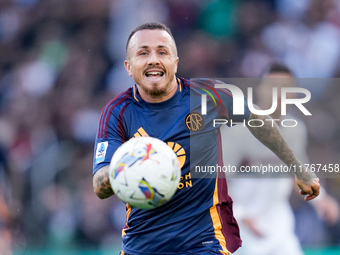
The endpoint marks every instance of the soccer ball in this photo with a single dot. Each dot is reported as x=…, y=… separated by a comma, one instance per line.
x=144, y=172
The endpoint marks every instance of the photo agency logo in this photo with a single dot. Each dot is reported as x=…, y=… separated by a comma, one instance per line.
x=239, y=105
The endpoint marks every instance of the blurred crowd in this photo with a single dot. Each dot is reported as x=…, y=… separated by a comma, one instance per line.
x=62, y=61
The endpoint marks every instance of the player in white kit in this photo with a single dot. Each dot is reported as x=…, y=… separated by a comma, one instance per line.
x=261, y=204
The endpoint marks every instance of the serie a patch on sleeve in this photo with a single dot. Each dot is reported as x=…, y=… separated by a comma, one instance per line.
x=101, y=152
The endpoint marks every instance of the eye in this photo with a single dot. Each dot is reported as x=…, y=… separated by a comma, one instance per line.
x=142, y=53
x=162, y=53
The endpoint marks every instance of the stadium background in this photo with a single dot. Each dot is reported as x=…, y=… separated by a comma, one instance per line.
x=62, y=61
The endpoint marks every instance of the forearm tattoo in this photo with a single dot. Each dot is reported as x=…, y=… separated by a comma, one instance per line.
x=102, y=186
x=271, y=137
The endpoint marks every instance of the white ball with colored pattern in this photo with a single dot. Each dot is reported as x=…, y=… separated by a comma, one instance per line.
x=144, y=172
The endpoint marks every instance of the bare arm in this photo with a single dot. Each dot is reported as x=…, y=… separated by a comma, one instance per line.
x=101, y=183
x=271, y=137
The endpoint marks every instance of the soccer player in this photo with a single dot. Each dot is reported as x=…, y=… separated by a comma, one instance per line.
x=266, y=219
x=199, y=218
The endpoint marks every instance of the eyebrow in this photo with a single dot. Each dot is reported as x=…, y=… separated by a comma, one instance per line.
x=159, y=47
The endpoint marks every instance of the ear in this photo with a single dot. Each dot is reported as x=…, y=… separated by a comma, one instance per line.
x=128, y=67
x=176, y=64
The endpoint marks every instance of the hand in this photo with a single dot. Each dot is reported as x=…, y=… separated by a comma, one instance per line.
x=311, y=188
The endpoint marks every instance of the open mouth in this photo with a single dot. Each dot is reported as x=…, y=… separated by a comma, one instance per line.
x=154, y=74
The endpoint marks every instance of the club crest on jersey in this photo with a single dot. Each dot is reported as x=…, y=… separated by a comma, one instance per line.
x=194, y=121
x=101, y=152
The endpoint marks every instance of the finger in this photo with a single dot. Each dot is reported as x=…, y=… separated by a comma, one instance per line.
x=303, y=193
x=310, y=197
x=314, y=192
x=309, y=194
x=316, y=189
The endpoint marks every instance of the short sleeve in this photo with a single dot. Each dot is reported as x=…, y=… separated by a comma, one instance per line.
x=110, y=135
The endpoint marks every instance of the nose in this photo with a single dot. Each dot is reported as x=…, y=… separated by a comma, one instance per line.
x=153, y=59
